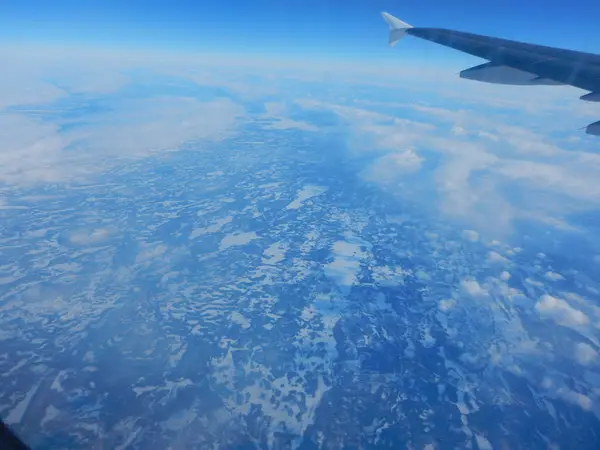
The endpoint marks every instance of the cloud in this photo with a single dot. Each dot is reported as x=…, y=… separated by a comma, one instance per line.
x=496, y=258
x=584, y=353
x=64, y=114
x=470, y=235
x=575, y=398
x=40, y=75
x=482, y=169
x=404, y=161
x=553, y=276
x=289, y=124
x=474, y=164
x=458, y=131
x=571, y=180
x=560, y=311
x=276, y=114
x=32, y=151
x=387, y=168
x=90, y=236
x=447, y=304
x=145, y=126
x=36, y=150
x=473, y=288
x=20, y=88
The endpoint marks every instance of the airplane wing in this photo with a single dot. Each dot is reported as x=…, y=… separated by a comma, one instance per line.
x=9, y=440
x=513, y=62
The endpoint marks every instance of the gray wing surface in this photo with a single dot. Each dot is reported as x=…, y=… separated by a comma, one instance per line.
x=571, y=67
x=513, y=62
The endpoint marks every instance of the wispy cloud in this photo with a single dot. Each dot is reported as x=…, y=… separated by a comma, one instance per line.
x=34, y=151
x=488, y=171
x=21, y=88
x=142, y=127
x=51, y=130
x=31, y=151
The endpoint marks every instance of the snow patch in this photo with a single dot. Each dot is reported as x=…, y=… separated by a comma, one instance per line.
x=274, y=253
x=236, y=239
x=214, y=228
x=239, y=319
x=305, y=194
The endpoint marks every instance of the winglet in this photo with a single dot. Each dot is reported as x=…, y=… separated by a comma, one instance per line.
x=397, y=28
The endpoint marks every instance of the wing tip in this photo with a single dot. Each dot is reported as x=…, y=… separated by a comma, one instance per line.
x=397, y=28
x=393, y=22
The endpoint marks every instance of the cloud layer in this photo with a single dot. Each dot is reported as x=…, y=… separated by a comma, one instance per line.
x=488, y=156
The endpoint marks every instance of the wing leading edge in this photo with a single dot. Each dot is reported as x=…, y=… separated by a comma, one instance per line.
x=513, y=62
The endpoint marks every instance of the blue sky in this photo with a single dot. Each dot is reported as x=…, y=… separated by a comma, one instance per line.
x=318, y=27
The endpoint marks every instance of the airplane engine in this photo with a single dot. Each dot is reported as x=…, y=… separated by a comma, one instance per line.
x=591, y=97
x=593, y=129
x=498, y=74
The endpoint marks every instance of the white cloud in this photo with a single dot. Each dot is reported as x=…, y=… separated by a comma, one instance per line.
x=464, y=192
x=554, y=276
x=36, y=148
x=458, y=197
x=584, y=354
x=533, y=282
x=141, y=127
x=93, y=79
x=573, y=180
x=447, y=304
x=576, y=398
x=288, y=124
x=488, y=135
x=470, y=235
x=473, y=288
x=488, y=173
x=458, y=131
x=23, y=89
x=276, y=113
x=496, y=258
x=33, y=151
x=404, y=161
x=505, y=276
x=90, y=236
x=560, y=311
x=347, y=256
x=387, y=168
x=40, y=75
